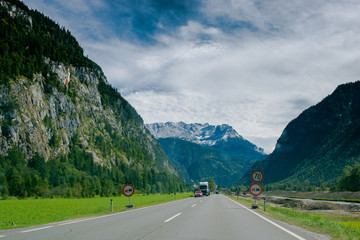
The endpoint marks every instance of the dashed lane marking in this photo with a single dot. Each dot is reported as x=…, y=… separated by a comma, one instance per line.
x=168, y=220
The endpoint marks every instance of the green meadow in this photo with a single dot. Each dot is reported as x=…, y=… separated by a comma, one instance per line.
x=337, y=227
x=29, y=212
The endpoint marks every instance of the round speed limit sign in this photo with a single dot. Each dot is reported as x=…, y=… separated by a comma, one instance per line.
x=257, y=176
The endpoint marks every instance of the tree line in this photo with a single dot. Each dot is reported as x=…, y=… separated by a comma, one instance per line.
x=77, y=175
x=349, y=181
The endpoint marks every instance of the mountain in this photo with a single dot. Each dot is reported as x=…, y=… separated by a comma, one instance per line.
x=316, y=146
x=200, y=151
x=64, y=129
x=222, y=137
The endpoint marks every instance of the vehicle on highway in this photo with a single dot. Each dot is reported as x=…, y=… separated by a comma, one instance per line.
x=205, y=189
x=198, y=193
x=216, y=191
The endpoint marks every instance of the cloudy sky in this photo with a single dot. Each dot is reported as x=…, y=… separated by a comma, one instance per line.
x=254, y=65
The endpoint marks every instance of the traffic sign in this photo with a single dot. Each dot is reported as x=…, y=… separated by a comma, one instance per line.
x=255, y=189
x=128, y=190
x=257, y=176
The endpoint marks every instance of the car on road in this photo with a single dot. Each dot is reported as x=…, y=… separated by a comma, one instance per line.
x=198, y=193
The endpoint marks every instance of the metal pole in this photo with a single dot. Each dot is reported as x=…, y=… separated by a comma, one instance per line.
x=129, y=202
x=111, y=205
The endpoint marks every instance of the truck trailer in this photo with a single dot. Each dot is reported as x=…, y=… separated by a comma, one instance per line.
x=204, y=187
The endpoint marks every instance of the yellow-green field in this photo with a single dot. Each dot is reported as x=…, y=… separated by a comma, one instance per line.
x=29, y=212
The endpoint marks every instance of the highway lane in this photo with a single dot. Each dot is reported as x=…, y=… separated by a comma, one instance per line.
x=215, y=217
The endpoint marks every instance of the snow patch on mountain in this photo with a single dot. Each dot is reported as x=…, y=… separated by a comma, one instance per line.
x=203, y=134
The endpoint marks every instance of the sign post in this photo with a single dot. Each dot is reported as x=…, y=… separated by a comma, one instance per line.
x=255, y=189
x=128, y=190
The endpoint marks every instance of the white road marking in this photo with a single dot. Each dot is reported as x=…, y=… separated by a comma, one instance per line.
x=168, y=220
x=101, y=216
x=194, y=205
x=2, y=236
x=36, y=229
x=275, y=224
x=81, y=220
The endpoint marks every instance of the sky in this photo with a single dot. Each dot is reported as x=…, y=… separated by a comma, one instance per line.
x=254, y=65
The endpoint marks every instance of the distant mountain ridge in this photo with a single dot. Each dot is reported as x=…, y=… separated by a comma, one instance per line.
x=200, y=151
x=316, y=146
x=203, y=134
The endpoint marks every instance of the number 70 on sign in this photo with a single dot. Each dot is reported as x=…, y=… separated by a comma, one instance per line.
x=257, y=176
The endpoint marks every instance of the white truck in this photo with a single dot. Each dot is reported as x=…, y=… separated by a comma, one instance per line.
x=204, y=187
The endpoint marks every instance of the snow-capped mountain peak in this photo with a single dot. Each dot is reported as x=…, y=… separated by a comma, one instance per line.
x=203, y=134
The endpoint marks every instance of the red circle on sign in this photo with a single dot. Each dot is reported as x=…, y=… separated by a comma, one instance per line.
x=128, y=190
x=257, y=176
x=255, y=189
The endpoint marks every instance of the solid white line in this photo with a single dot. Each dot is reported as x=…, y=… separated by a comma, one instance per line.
x=36, y=229
x=275, y=224
x=168, y=220
x=194, y=205
x=82, y=220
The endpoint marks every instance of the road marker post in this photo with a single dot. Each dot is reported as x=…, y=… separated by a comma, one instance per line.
x=264, y=204
x=111, y=205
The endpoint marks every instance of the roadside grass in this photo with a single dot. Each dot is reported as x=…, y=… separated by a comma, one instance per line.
x=29, y=212
x=337, y=227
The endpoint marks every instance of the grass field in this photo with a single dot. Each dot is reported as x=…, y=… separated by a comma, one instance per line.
x=337, y=227
x=29, y=212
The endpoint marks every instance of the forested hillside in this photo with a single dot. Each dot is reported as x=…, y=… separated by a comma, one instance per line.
x=64, y=130
x=318, y=145
x=197, y=163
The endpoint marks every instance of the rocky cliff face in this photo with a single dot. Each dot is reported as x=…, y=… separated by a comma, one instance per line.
x=65, y=131
x=41, y=118
x=39, y=113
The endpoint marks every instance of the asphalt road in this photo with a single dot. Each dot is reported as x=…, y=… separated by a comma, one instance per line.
x=214, y=217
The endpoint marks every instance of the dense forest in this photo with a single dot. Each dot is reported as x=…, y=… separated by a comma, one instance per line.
x=29, y=40
x=76, y=175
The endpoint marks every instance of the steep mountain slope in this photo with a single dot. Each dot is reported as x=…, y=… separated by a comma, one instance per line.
x=319, y=143
x=62, y=123
x=201, y=151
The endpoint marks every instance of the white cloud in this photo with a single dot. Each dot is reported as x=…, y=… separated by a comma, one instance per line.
x=256, y=81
